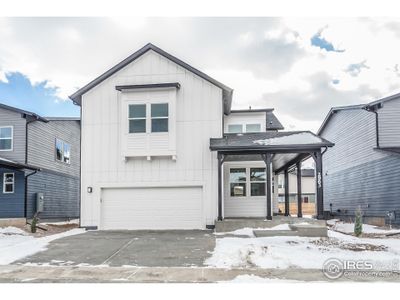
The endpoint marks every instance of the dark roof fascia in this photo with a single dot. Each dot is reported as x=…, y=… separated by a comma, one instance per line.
x=63, y=118
x=277, y=125
x=251, y=110
x=148, y=86
x=295, y=148
x=24, y=113
x=227, y=91
x=17, y=166
x=334, y=110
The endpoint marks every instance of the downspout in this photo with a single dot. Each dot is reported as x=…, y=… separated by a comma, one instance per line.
x=374, y=109
x=26, y=193
x=26, y=162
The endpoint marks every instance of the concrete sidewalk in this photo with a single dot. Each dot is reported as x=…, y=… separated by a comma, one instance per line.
x=24, y=273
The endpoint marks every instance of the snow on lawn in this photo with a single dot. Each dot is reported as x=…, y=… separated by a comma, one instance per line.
x=300, y=252
x=16, y=243
x=256, y=279
x=366, y=228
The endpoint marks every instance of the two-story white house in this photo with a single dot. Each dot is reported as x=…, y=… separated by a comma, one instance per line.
x=162, y=149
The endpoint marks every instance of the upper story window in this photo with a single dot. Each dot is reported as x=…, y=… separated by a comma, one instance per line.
x=137, y=118
x=240, y=128
x=158, y=118
x=8, y=183
x=253, y=127
x=235, y=128
x=6, y=138
x=63, y=151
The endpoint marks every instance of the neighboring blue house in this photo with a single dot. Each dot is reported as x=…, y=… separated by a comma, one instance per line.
x=363, y=168
x=38, y=155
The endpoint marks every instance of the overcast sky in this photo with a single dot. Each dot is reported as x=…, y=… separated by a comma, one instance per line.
x=300, y=67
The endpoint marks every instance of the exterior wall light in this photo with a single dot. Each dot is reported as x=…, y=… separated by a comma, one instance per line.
x=89, y=189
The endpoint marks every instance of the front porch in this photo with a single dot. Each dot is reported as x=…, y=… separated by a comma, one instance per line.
x=279, y=152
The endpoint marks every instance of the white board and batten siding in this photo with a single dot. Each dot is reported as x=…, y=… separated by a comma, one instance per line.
x=105, y=169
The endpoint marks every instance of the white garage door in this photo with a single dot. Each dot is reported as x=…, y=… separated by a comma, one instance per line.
x=152, y=208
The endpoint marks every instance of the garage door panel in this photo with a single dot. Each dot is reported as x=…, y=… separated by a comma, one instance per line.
x=152, y=208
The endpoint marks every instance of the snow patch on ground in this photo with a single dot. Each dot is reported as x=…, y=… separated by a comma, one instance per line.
x=366, y=228
x=300, y=252
x=256, y=279
x=247, y=231
x=11, y=230
x=17, y=245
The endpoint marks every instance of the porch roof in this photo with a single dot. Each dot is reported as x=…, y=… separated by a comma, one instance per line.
x=270, y=141
x=6, y=163
x=287, y=148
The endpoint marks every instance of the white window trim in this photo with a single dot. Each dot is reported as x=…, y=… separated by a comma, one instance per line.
x=62, y=152
x=244, y=127
x=4, y=183
x=12, y=138
x=148, y=117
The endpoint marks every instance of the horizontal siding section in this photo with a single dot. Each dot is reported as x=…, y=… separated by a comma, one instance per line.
x=41, y=145
x=61, y=195
x=10, y=118
x=354, y=133
x=12, y=205
x=389, y=124
x=374, y=186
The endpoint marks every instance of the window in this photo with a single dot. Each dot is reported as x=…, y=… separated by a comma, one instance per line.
x=159, y=117
x=235, y=128
x=137, y=118
x=6, y=138
x=257, y=181
x=253, y=127
x=237, y=179
x=63, y=151
x=8, y=183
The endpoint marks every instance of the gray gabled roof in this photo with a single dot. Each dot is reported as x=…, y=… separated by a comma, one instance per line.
x=380, y=101
x=24, y=113
x=270, y=140
x=226, y=95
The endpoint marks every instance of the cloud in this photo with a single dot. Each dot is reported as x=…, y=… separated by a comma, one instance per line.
x=269, y=62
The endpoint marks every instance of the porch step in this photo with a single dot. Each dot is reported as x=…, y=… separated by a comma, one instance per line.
x=232, y=224
x=295, y=230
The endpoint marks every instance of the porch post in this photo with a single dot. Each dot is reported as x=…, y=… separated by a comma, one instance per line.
x=286, y=192
x=220, y=196
x=299, y=202
x=320, y=188
x=267, y=159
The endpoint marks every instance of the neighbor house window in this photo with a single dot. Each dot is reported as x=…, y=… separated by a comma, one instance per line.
x=235, y=128
x=159, y=117
x=137, y=118
x=6, y=138
x=253, y=127
x=237, y=179
x=257, y=181
x=8, y=183
x=63, y=151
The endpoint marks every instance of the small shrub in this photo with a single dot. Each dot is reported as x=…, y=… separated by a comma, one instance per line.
x=358, y=222
x=34, y=223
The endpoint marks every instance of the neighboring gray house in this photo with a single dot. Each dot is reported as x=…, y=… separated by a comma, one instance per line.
x=38, y=155
x=363, y=168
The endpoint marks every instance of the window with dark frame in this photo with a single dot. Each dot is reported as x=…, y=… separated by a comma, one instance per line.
x=235, y=128
x=237, y=179
x=8, y=183
x=257, y=181
x=137, y=118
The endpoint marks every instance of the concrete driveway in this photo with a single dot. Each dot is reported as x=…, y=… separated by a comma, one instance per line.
x=172, y=248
